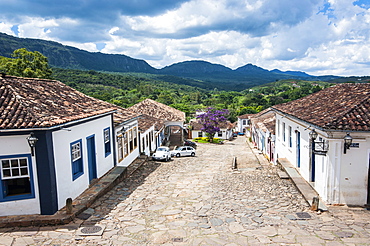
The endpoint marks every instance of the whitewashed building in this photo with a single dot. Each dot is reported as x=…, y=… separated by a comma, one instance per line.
x=244, y=124
x=54, y=141
x=126, y=129
x=225, y=132
x=263, y=132
x=311, y=134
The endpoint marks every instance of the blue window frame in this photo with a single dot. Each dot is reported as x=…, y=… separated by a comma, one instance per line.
x=16, y=178
x=107, y=145
x=283, y=131
x=76, y=159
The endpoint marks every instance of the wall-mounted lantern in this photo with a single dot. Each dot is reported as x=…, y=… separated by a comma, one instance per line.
x=347, y=142
x=318, y=147
x=313, y=134
x=32, y=142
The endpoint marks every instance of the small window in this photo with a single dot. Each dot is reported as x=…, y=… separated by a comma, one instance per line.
x=76, y=158
x=284, y=131
x=244, y=122
x=200, y=134
x=219, y=134
x=107, y=145
x=16, y=178
x=135, y=137
x=290, y=137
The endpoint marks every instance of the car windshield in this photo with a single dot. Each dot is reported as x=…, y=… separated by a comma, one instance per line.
x=161, y=149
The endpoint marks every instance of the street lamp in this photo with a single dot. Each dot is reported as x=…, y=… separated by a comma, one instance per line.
x=32, y=142
x=347, y=142
x=313, y=134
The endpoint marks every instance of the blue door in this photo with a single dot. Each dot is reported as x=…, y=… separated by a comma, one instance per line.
x=313, y=160
x=91, y=157
x=298, y=137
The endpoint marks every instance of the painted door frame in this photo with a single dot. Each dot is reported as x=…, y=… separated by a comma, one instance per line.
x=298, y=148
x=91, y=157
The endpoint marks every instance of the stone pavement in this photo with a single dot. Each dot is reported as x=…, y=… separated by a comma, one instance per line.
x=202, y=201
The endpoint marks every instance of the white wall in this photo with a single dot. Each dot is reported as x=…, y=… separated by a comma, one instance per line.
x=133, y=154
x=151, y=144
x=17, y=145
x=66, y=186
x=339, y=178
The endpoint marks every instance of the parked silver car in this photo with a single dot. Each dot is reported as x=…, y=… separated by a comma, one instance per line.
x=183, y=151
x=162, y=153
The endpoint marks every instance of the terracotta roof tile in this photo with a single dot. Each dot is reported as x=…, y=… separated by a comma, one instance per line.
x=146, y=121
x=39, y=103
x=158, y=110
x=265, y=120
x=244, y=116
x=121, y=115
x=341, y=107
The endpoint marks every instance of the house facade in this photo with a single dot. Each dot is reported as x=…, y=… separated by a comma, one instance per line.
x=263, y=132
x=311, y=133
x=244, y=124
x=74, y=146
x=226, y=130
x=126, y=128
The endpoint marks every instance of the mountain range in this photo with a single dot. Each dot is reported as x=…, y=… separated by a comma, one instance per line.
x=204, y=74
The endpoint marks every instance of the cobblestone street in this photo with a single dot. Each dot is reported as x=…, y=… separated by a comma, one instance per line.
x=202, y=201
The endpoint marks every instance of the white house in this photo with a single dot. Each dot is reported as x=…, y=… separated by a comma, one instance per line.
x=244, y=124
x=263, y=132
x=226, y=130
x=339, y=172
x=54, y=141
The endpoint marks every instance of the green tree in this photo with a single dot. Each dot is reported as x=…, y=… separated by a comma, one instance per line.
x=28, y=64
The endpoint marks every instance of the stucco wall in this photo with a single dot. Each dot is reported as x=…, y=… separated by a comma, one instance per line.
x=66, y=186
x=135, y=153
x=17, y=145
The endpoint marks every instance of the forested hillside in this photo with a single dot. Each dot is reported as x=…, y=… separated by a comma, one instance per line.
x=202, y=74
x=127, y=89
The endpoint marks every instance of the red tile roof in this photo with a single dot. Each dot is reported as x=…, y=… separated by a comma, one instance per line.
x=195, y=125
x=341, y=107
x=265, y=120
x=158, y=110
x=38, y=103
x=244, y=116
x=147, y=121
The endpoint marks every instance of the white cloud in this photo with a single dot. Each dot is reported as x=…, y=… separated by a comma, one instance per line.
x=317, y=36
x=6, y=28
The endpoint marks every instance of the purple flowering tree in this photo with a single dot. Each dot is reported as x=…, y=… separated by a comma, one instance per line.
x=211, y=120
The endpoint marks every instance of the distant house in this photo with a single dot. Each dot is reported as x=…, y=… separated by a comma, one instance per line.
x=244, y=124
x=263, y=132
x=73, y=142
x=226, y=130
x=311, y=134
x=173, y=120
x=151, y=134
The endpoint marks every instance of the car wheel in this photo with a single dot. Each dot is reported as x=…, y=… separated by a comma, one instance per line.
x=178, y=155
x=192, y=154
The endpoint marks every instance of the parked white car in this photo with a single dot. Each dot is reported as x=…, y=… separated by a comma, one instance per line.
x=162, y=153
x=183, y=151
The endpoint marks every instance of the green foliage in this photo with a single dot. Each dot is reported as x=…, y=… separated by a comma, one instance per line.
x=126, y=89
x=26, y=64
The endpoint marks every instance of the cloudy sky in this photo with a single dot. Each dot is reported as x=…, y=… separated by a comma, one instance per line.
x=316, y=36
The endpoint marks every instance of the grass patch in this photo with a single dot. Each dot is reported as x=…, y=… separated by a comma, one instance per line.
x=206, y=140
